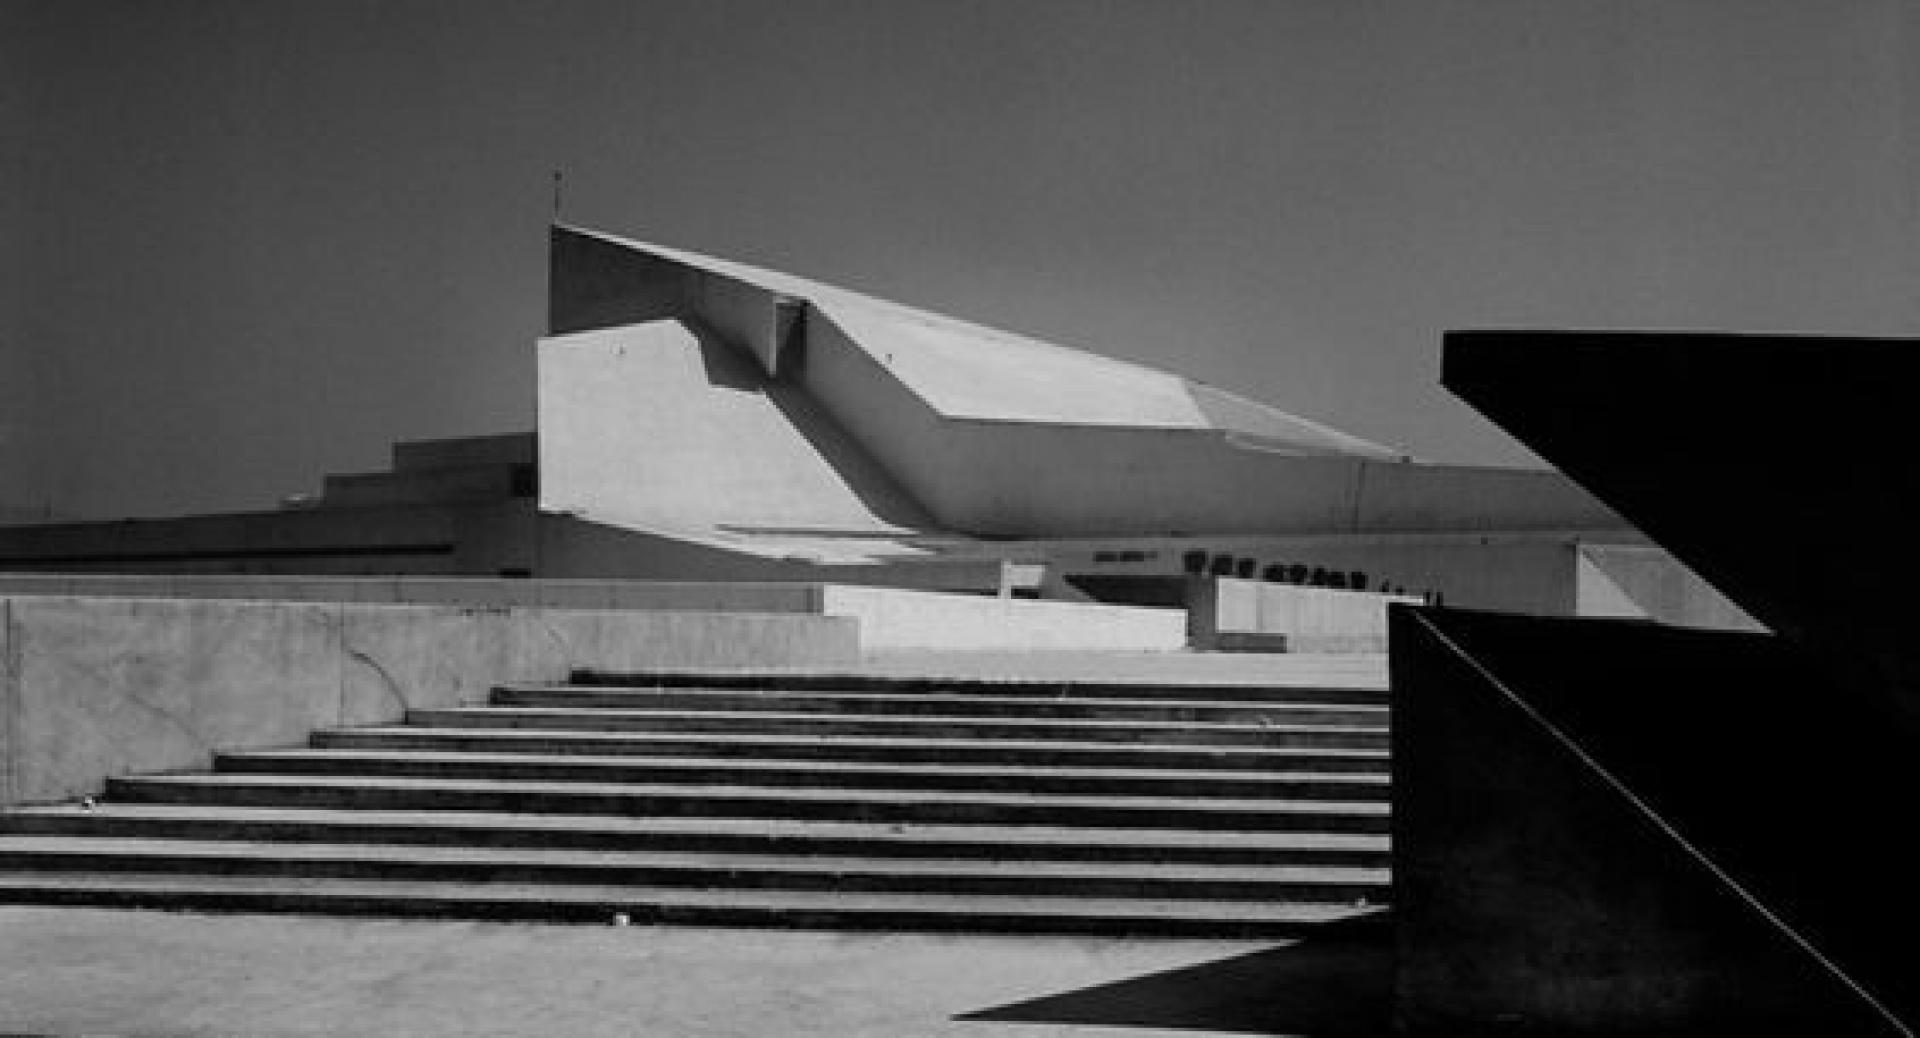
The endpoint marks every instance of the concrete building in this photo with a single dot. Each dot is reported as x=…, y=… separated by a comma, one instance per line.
x=704, y=420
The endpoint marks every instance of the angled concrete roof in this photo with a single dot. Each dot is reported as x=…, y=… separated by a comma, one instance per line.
x=712, y=401
x=970, y=371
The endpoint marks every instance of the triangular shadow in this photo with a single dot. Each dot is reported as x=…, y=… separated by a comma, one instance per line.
x=1337, y=983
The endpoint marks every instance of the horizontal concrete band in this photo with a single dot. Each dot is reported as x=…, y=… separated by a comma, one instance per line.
x=889, y=618
x=98, y=687
x=689, y=596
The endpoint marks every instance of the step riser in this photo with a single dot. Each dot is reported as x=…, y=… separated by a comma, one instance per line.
x=1251, y=713
x=903, y=920
x=772, y=878
x=1360, y=695
x=799, y=778
x=1333, y=738
x=904, y=847
x=609, y=803
x=1109, y=756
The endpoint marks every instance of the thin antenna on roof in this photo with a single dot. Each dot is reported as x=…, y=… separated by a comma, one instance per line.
x=556, y=196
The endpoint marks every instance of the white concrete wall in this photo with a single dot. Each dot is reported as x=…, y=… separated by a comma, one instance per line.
x=893, y=620
x=1310, y=619
x=651, y=427
x=96, y=687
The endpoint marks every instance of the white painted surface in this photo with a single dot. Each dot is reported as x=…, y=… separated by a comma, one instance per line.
x=650, y=427
x=892, y=619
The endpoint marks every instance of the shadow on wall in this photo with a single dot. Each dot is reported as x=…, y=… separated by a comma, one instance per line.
x=1334, y=984
x=731, y=367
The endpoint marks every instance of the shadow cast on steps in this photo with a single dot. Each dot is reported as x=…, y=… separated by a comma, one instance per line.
x=1336, y=983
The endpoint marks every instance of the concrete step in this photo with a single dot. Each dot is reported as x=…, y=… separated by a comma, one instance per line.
x=699, y=870
x=1366, y=691
x=776, y=837
x=644, y=905
x=1221, y=711
x=787, y=774
x=905, y=806
x=1020, y=753
x=1163, y=732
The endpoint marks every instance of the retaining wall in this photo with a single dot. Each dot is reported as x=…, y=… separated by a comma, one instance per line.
x=94, y=687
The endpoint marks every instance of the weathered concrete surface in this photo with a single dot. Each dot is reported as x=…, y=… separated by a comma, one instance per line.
x=1618, y=828
x=100, y=687
x=86, y=971
x=893, y=619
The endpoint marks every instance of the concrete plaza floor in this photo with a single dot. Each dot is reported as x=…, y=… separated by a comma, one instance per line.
x=124, y=973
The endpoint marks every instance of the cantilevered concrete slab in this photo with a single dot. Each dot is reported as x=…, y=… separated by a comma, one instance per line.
x=936, y=427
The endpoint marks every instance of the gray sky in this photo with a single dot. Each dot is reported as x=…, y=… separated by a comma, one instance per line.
x=243, y=244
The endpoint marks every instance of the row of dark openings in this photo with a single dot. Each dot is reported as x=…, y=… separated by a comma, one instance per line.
x=1199, y=563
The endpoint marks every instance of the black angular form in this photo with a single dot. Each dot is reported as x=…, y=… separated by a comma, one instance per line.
x=1783, y=469
x=1617, y=828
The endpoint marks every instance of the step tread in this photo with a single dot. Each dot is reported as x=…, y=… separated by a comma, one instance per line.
x=216, y=850
x=840, y=903
x=797, y=828
x=774, y=695
x=824, y=767
x=916, y=720
x=674, y=792
x=1279, y=753
x=1356, y=675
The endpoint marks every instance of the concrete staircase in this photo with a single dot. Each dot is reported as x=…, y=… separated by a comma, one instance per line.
x=763, y=800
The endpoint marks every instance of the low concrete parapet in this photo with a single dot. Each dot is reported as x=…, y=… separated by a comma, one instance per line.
x=892, y=619
x=889, y=618
x=96, y=687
